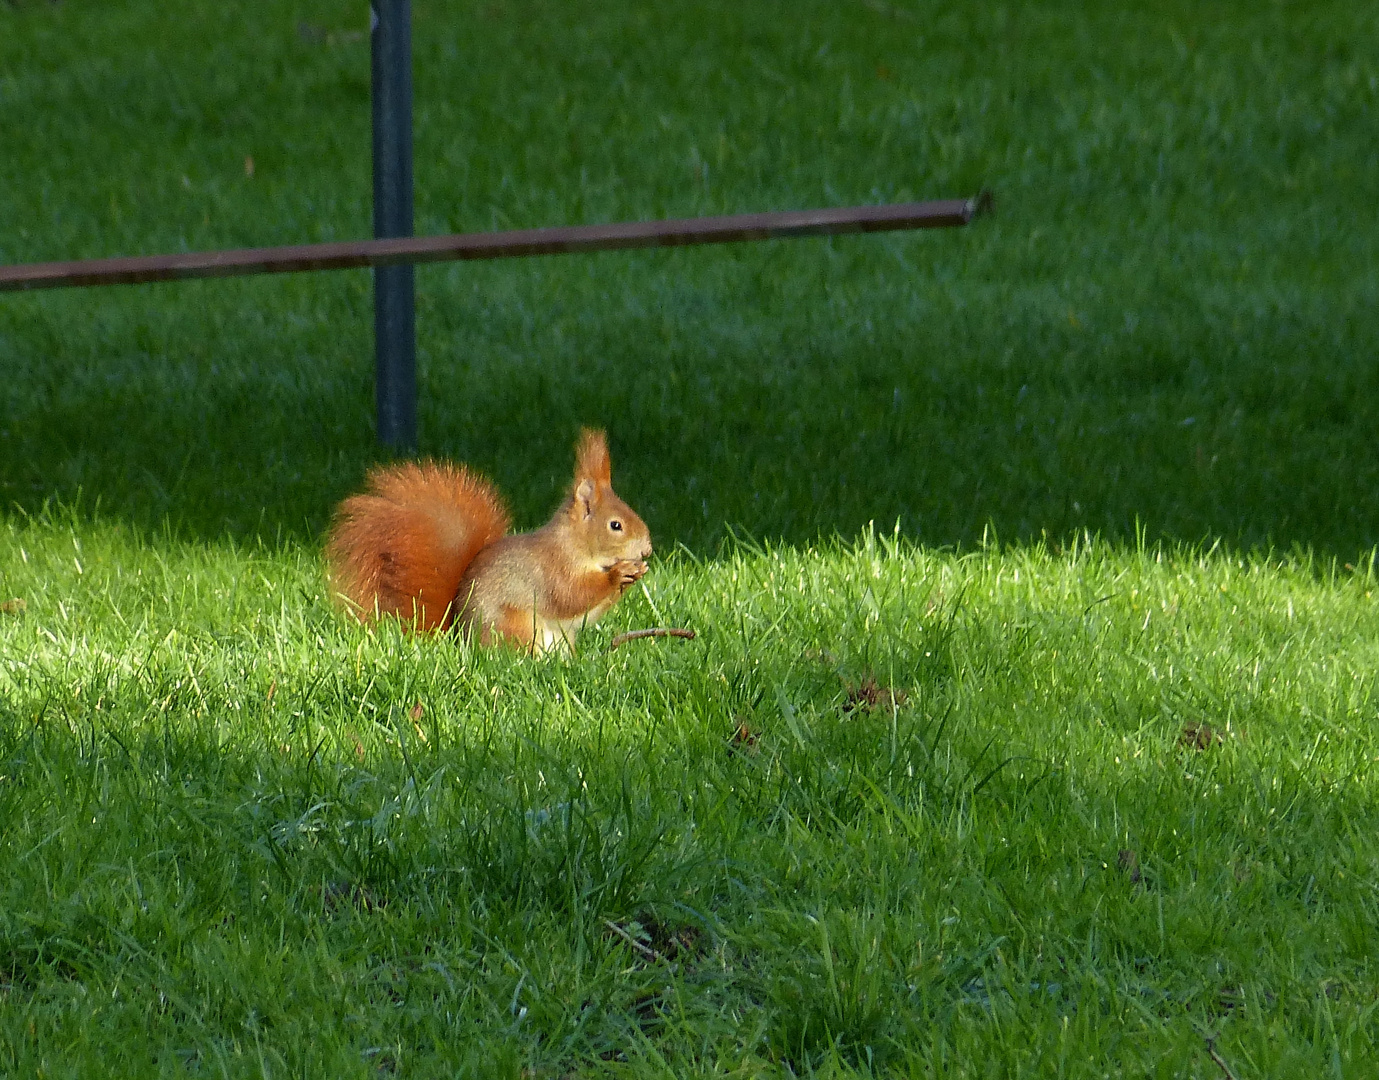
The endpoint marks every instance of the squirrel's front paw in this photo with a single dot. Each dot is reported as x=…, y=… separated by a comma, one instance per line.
x=628, y=571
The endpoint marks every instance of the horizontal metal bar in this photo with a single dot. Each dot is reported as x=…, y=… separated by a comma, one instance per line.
x=495, y=245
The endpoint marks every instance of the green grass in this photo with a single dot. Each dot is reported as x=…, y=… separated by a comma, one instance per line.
x=1115, y=797
x=1169, y=321
x=233, y=842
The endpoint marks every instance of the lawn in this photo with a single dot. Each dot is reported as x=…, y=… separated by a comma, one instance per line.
x=1031, y=724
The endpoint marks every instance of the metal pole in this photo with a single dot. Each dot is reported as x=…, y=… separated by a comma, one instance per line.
x=394, y=308
x=515, y=243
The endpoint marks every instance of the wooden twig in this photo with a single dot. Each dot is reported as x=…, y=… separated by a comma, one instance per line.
x=649, y=953
x=655, y=631
x=1221, y=1064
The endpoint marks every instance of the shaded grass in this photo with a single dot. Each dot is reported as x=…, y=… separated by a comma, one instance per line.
x=1169, y=321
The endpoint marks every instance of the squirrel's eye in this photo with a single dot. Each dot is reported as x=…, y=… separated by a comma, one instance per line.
x=615, y=525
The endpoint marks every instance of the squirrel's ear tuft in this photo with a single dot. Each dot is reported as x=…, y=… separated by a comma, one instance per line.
x=591, y=458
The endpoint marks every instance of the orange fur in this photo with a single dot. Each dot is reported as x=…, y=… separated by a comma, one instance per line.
x=427, y=543
x=517, y=626
x=401, y=548
x=591, y=458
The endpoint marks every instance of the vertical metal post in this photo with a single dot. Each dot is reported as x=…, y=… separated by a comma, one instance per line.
x=394, y=309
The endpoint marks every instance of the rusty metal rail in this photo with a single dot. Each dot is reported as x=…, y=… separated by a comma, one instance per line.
x=494, y=245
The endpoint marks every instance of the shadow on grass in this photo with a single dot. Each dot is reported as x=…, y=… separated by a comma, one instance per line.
x=792, y=396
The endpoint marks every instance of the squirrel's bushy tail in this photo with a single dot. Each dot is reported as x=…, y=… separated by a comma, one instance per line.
x=403, y=546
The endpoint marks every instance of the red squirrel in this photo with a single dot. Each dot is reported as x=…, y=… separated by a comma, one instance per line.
x=427, y=542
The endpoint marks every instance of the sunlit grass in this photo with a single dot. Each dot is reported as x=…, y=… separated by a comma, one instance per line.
x=1109, y=803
